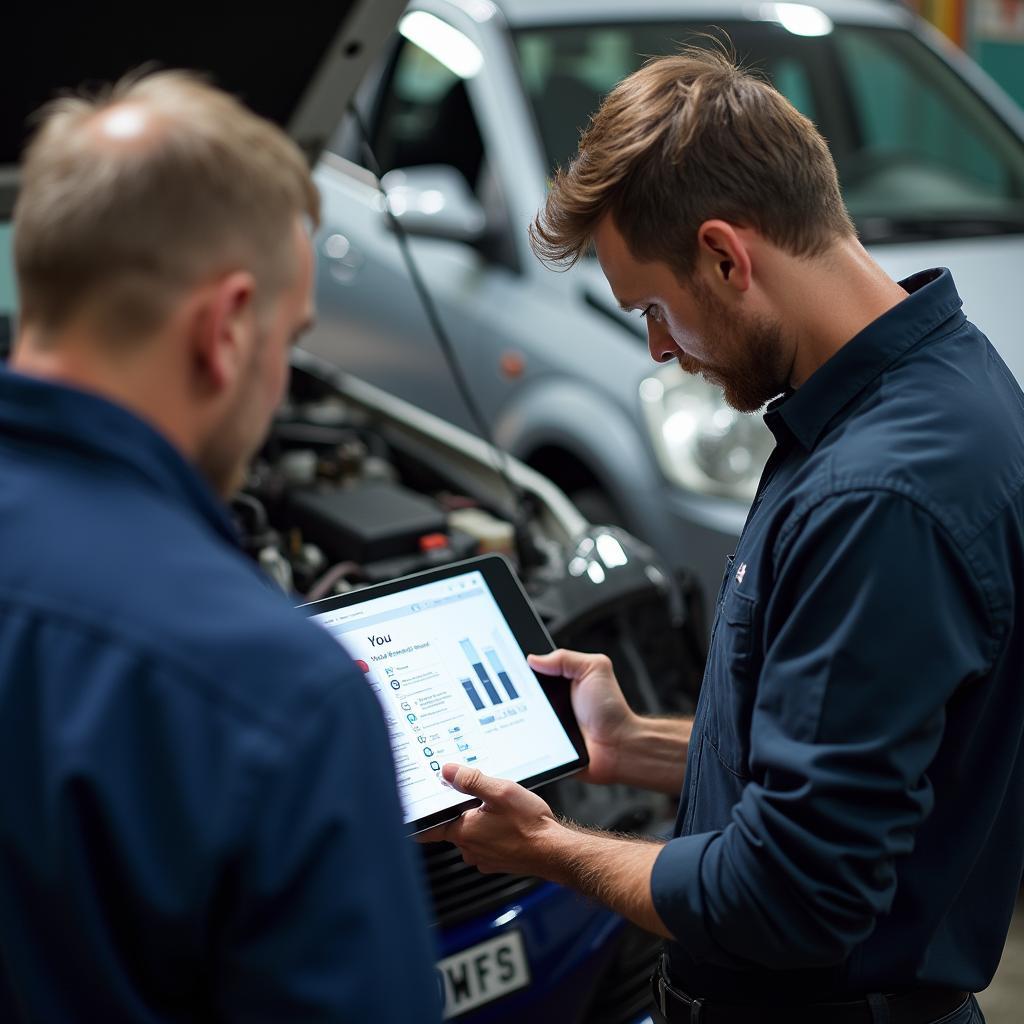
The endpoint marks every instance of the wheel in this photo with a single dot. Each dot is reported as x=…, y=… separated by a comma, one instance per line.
x=597, y=507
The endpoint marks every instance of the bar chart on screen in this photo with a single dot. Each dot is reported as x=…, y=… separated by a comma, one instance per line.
x=453, y=684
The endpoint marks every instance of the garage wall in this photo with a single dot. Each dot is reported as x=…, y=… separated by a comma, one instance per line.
x=1005, y=63
x=991, y=31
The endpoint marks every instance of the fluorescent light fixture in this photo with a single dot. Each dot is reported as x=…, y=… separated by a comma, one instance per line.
x=445, y=44
x=800, y=19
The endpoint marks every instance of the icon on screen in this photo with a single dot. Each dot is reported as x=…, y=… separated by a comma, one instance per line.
x=406, y=706
x=435, y=766
x=395, y=684
x=422, y=739
x=410, y=718
x=427, y=752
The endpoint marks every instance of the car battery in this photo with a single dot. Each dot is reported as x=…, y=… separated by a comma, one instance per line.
x=367, y=522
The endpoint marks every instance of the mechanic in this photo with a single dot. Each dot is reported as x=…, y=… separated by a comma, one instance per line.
x=848, y=843
x=200, y=818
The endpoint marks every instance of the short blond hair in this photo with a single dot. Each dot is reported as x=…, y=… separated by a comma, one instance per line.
x=689, y=138
x=128, y=224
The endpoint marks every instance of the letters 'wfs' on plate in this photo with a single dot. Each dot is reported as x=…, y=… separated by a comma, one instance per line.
x=483, y=972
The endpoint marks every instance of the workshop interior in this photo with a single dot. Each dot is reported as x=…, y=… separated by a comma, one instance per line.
x=456, y=398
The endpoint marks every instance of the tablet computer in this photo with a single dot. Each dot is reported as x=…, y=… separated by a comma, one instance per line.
x=445, y=653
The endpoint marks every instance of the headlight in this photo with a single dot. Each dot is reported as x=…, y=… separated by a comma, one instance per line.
x=702, y=444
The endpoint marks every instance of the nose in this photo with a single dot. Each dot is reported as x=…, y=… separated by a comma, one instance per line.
x=659, y=341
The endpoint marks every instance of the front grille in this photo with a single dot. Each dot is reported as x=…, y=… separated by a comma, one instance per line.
x=460, y=891
x=625, y=992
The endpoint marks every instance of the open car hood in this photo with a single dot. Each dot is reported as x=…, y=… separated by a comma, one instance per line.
x=299, y=67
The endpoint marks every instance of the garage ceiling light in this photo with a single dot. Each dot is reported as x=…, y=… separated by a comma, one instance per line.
x=445, y=44
x=800, y=19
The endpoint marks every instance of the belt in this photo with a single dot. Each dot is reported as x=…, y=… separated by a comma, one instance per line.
x=919, y=1006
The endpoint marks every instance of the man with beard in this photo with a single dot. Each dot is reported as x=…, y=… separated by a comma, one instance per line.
x=848, y=843
x=199, y=816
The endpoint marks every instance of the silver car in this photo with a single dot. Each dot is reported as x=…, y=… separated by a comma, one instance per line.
x=467, y=115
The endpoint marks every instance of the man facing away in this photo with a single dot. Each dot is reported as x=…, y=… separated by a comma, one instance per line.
x=199, y=817
x=848, y=845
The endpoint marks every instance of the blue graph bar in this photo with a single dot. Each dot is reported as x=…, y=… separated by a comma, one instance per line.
x=507, y=683
x=472, y=694
x=492, y=657
x=492, y=691
x=470, y=651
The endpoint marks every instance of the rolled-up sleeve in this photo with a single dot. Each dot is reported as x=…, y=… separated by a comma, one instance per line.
x=875, y=620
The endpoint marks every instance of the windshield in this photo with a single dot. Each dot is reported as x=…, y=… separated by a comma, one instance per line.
x=919, y=154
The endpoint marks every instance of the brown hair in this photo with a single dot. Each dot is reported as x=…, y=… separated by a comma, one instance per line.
x=126, y=224
x=685, y=139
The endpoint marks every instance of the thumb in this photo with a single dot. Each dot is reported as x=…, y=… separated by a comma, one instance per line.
x=472, y=781
x=570, y=664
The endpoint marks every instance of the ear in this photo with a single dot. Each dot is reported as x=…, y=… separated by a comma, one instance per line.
x=223, y=330
x=723, y=255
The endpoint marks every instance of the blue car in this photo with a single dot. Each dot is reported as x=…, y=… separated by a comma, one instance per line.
x=515, y=949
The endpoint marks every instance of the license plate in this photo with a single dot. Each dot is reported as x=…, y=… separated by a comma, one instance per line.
x=482, y=973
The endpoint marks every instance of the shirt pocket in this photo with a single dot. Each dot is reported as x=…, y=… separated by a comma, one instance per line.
x=733, y=681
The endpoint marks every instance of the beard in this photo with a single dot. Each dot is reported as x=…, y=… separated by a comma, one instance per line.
x=752, y=368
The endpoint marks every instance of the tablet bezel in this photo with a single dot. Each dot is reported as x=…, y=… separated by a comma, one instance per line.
x=527, y=629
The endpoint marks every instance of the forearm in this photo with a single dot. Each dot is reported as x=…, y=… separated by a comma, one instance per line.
x=652, y=754
x=614, y=870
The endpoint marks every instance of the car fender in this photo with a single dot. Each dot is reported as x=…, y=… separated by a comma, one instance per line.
x=561, y=412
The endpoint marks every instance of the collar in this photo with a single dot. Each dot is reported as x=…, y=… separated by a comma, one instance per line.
x=806, y=412
x=44, y=412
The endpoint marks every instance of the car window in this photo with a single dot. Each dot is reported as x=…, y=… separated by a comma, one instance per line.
x=918, y=152
x=425, y=117
x=793, y=80
x=924, y=137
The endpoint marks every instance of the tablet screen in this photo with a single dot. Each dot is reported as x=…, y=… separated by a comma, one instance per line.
x=454, y=685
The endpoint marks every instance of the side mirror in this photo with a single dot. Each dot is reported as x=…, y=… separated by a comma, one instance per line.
x=434, y=201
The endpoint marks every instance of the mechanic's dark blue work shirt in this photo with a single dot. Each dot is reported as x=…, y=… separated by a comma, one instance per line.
x=198, y=816
x=853, y=814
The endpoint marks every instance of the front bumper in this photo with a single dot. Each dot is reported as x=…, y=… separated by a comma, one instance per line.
x=587, y=965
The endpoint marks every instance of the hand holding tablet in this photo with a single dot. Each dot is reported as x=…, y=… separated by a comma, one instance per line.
x=445, y=653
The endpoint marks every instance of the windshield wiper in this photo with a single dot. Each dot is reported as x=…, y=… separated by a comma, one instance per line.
x=934, y=226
